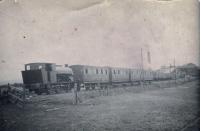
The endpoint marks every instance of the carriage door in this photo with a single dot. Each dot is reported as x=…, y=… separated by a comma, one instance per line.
x=110, y=75
x=129, y=75
x=48, y=69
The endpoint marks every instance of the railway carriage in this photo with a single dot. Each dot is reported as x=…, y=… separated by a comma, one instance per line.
x=91, y=76
x=96, y=76
x=120, y=75
x=135, y=75
x=138, y=75
x=157, y=75
x=148, y=75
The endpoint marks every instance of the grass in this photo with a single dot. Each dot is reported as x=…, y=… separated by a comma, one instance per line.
x=153, y=107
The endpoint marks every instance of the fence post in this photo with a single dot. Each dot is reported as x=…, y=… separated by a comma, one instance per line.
x=24, y=96
x=75, y=93
x=107, y=89
x=8, y=86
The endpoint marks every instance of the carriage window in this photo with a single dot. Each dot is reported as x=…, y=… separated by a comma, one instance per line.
x=113, y=71
x=97, y=72
x=118, y=71
x=48, y=67
x=106, y=72
x=86, y=71
x=28, y=67
x=40, y=67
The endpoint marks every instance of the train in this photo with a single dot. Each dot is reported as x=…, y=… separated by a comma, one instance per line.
x=42, y=75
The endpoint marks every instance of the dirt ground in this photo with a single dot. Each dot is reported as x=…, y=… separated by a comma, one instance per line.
x=129, y=109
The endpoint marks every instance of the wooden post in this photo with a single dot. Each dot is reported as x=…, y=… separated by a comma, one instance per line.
x=142, y=70
x=8, y=86
x=184, y=77
x=75, y=93
x=107, y=90
x=24, y=96
x=170, y=75
x=174, y=72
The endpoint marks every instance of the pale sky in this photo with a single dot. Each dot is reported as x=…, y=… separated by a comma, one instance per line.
x=97, y=32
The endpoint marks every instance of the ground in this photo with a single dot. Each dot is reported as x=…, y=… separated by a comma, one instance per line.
x=121, y=109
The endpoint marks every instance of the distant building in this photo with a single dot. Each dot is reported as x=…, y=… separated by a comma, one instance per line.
x=189, y=69
x=181, y=71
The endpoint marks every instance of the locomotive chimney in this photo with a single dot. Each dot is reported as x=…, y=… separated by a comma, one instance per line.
x=66, y=65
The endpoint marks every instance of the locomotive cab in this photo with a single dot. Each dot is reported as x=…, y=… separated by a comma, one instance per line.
x=45, y=73
x=42, y=73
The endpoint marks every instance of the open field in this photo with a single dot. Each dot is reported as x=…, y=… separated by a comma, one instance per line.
x=151, y=107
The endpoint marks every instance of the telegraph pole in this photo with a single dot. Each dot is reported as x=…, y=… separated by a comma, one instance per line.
x=142, y=70
x=175, y=71
x=170, y=73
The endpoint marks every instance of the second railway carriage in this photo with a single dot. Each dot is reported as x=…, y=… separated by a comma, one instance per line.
x=119, y=75
x=161, y=75
x=148, y=75
x=135, y=75
x=138, y=75
x=157, y=75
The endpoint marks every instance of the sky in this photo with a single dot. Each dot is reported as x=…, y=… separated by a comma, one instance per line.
x=97, y=32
